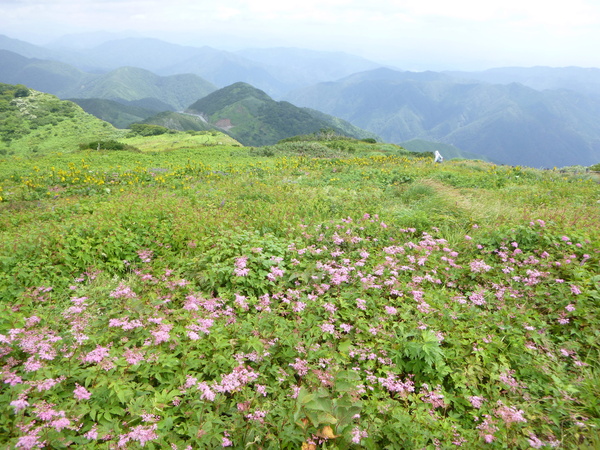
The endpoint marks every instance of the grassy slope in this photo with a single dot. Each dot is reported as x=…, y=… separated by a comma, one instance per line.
x=43, y=123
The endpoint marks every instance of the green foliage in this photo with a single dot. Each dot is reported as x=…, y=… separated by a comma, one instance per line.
x=107, y=145
x=143, y=129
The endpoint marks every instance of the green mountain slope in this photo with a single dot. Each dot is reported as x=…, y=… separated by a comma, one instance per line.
x=34, y=122
x=130, y=83
x=119, y=114
x=43, y=75
x=253, y=118
x=180, y=121
x=512, y=124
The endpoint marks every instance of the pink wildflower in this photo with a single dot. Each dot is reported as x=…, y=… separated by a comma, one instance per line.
x=299, y=307
x=476, y=401
x=261, y=389
x=207, y=393
x=141, y=433
x=96, y=355
x=346, y=328
x=295, y=391
x=275, y=273
x=435, y=397
x=133, y=356
x=162, y=333
x=479, y=266
x=258, y=416
x=487, y=428
x=534, y=441
x=30, y=441
x=92, y=434
x=20, y=404
x=301, y=366
x=328, y=328
x=509, y=414
x=358, y=434
x=145, y=255
x=390, y=310
x=477, y=298
x=123, y=291
x=61, y=423
x=240, y=266
x=563, y=320
x=81, y=393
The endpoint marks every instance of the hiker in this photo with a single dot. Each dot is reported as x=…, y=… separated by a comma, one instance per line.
x=438, y=157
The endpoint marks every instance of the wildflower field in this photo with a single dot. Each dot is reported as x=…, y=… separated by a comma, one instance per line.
x=223, y=296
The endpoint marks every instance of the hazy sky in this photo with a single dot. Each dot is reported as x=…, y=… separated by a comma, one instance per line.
x=411, y=34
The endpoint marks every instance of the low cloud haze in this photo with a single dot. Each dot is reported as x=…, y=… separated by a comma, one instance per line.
x=410, y=34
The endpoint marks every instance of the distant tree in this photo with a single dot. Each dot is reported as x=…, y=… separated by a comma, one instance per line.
x=143, y=129
x=21, y=91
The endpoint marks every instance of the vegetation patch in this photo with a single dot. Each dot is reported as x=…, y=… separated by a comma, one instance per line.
x=212, y=295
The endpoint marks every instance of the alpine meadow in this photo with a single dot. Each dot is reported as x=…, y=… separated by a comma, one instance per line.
x=195, y=263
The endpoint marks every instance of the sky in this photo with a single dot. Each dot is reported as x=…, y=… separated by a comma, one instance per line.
x=408, y=34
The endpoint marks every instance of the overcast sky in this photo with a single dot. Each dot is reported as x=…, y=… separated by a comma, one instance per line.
x=411, y=34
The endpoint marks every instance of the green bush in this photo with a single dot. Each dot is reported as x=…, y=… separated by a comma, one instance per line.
x=143, y=129
x=107, y=145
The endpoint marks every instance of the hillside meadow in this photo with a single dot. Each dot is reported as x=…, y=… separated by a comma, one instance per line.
x=315, y=294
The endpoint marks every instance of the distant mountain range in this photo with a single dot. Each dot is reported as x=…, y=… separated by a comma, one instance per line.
x=274, y=71
x=511, y=124
x=124, y=84
x=578, y=79
x=537, y=116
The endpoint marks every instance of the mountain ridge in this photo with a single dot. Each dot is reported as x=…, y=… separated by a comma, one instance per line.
x=253, y=118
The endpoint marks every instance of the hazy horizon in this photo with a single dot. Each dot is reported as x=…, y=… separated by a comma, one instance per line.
x=411, y=34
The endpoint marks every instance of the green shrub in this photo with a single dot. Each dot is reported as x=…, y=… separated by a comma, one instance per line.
x=107, y=145
x=143, y=129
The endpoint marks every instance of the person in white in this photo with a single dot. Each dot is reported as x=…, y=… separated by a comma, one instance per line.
x=438, y=157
